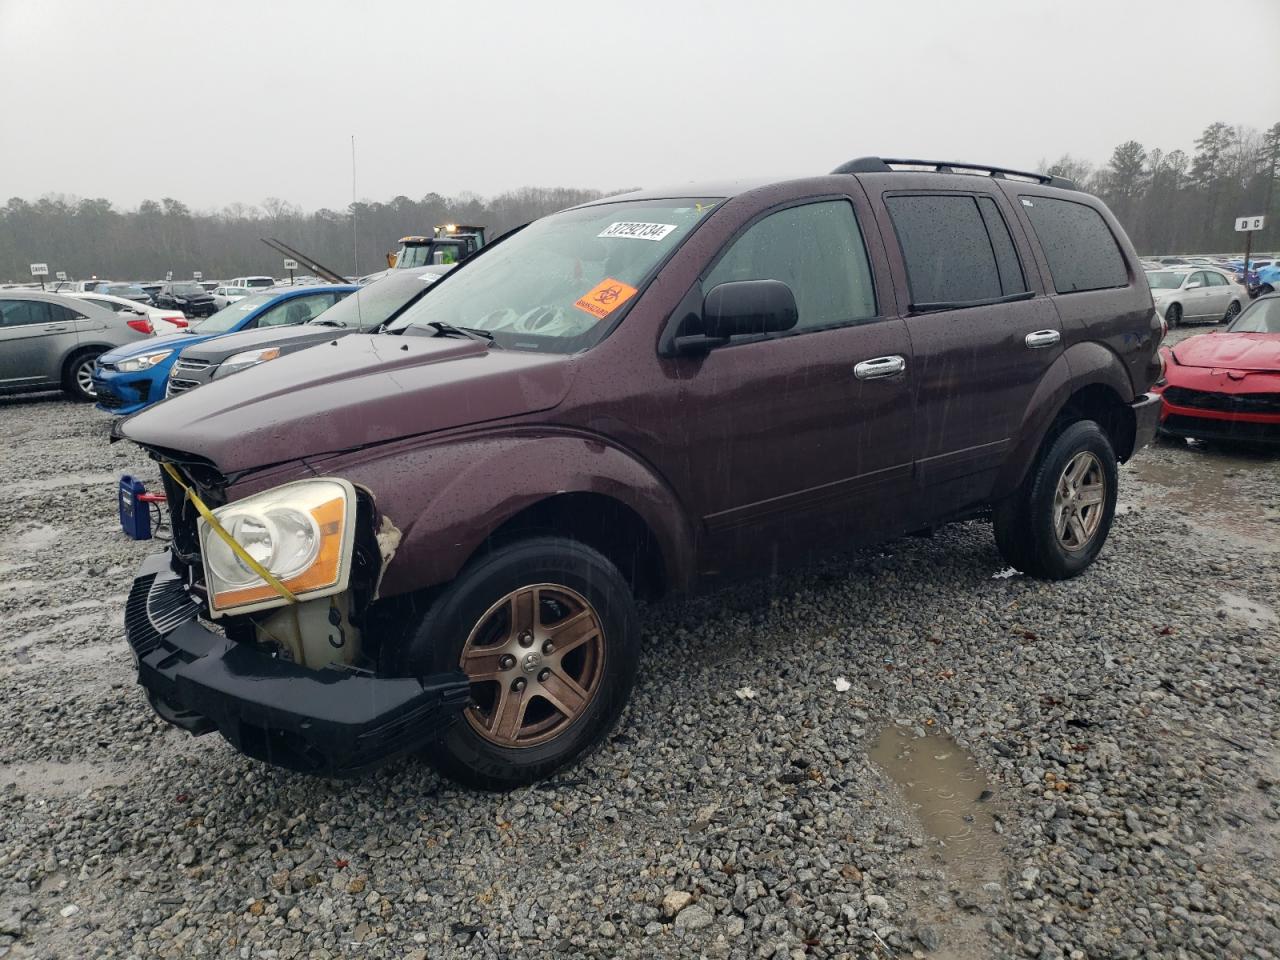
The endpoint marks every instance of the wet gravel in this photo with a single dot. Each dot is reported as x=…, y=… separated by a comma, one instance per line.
x=1125, y=723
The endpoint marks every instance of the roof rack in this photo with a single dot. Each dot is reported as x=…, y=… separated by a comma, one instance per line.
x=886, y=165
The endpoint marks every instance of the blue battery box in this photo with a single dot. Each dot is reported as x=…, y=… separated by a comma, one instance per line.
x=135, y=512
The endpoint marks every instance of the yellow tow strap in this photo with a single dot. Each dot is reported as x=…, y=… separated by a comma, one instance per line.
x=229, y=540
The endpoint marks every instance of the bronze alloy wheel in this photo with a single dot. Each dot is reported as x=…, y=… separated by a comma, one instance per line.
x=535, y=660
x=1079, y=501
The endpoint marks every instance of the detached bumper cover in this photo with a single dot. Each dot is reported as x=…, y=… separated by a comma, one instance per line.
x=1146, y=419
x=328, y=721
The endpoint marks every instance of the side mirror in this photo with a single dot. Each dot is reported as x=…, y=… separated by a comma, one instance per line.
x=745, y=307
x=1194, y=285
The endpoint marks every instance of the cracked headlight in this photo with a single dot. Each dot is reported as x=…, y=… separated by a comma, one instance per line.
x=144, y=362
x=249, y=358
x=301, y=533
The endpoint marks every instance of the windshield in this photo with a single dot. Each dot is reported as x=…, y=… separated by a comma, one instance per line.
x=1165, y=280
x=376, y=303
x=187, y=289
x=414, y=255
x=1261, y=316
x=124, y=290
x=559, y=283
x=259, y=282
x=230, y=316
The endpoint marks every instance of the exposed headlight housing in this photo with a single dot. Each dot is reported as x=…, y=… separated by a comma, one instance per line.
x=144, y=362
x=249, y=358
x=302, y=533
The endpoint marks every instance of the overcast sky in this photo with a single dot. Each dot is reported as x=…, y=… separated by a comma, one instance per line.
x=215, y=102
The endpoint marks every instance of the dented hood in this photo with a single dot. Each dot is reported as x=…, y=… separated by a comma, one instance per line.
x=356, y=391
x=1230, y=351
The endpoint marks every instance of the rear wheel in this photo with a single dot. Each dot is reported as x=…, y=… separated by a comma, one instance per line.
x=77, y=381
x=1233, y=310
x=1173, y=315
x=546, y=631
x=1055, y=524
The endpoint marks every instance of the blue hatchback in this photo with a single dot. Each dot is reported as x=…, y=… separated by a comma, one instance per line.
x=129, y=378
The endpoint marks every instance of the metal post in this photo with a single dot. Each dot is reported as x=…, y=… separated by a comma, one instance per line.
x=1248, y=246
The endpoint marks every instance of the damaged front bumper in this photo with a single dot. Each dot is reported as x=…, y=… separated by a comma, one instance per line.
x=332, y=721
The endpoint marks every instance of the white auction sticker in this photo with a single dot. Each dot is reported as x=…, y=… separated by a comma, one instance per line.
x=637, y=231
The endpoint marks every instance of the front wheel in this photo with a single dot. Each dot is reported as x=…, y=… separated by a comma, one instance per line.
x=1054, y=525
x=546, y=631
x=1173, y=315
x=78, y=380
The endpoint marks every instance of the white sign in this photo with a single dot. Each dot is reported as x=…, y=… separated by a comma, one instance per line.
x=1249, y=224
x=168, y=276
x=637, y=231
x=61, y=274
x=39, y=269
x=197, y=275
x=291, y=264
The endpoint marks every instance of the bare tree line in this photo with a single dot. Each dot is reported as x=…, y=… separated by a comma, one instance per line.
x=1169, y=202
x=1178, y=202
x=90, y=237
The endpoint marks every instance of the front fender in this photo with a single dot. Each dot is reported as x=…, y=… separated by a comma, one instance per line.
x=1080, y=366
x=446, y=498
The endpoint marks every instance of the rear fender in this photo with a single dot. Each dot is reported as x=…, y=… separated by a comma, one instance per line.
x=1080, y=366
x=447, y=498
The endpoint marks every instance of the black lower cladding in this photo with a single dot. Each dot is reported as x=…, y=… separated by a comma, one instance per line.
x=331, y=721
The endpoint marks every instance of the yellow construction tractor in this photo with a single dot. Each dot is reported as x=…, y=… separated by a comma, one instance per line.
x=450, y=243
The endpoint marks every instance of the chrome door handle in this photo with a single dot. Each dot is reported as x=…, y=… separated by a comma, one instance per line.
x=55, y=328
x=879, y=367
x=1043, y=338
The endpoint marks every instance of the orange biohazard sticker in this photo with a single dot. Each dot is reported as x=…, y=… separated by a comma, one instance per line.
x=605, y=297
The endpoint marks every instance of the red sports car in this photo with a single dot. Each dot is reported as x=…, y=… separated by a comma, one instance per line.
x=1226, y=385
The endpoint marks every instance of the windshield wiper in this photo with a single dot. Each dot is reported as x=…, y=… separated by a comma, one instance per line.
x=449, y=330
x=328, y=323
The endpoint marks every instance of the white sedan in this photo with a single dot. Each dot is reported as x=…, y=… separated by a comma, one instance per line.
x=1196, y=295
x=227, y=294
x=162, y=322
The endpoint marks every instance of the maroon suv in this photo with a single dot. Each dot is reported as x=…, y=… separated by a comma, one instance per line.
x=432, y=538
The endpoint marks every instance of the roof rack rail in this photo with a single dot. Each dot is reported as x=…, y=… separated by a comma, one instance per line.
x=886, y=165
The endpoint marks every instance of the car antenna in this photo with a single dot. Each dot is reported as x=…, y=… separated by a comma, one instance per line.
x=355, y=236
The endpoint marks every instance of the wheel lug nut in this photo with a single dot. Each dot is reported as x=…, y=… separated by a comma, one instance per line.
x=548, y=647
x=518, y=685
x=526, y=638
x=507, y=662
x=543, y=674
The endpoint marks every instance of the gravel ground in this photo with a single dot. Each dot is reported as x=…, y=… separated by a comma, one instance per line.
x=1125, y=724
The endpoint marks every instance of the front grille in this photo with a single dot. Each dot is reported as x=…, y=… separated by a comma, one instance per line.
x=155, y=606
x=109, y=400
x=176, y=386
x=1224, y=402
x=1238, y=430
x=190, y=365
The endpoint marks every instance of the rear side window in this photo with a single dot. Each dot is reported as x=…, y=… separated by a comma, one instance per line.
x=1080, y=249
x=957, y=249
x=816, y=249
x=24, y=313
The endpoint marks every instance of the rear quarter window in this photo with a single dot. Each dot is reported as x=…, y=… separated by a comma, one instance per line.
x=1081, y=250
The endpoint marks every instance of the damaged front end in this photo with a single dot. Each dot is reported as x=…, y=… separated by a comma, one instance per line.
x=284, y=667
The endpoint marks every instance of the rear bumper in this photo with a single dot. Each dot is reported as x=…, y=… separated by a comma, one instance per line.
x=331, y=722
x=1146, y=420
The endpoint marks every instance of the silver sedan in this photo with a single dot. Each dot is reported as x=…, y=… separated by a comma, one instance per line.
x=1201, y=295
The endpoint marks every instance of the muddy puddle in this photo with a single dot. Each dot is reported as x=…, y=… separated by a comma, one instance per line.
x=942, y=786
x=1250, y=612
x=32, y=539
x=48, y=779
x=66, y=481
x=1214, y=489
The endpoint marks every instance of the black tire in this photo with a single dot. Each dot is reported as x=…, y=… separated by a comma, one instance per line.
x=1233, y=311
x=77, y=378
x=1024, y=523
x=1173, y=315
x=464, y=754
